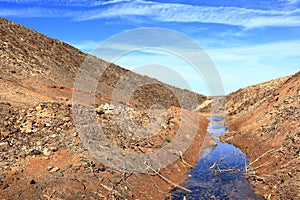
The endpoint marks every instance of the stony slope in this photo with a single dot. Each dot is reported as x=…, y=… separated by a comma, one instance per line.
x=250, y=98
x=264, y=122
x=43, y=157
x=33, y=65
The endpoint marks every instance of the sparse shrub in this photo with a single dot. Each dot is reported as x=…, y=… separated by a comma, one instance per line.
x=168, y=139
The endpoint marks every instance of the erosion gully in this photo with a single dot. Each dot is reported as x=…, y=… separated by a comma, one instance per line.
x=219, y=171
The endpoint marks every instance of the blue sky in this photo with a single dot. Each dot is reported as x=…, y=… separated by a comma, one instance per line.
x=248, y=41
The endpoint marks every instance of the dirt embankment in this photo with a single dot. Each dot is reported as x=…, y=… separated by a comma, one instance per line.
x=264, y=122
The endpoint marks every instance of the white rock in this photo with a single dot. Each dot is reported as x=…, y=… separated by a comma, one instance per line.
x=47, y=152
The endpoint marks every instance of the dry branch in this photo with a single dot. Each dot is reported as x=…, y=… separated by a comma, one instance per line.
x=184, y=162
x=166, y=179
x=261, y=156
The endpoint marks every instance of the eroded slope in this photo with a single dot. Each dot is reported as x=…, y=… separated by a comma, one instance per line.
x=264, y=123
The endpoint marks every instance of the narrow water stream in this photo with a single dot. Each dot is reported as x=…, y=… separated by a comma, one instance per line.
x=219, y=171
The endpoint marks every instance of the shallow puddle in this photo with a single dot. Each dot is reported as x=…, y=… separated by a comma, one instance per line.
x=219, y=171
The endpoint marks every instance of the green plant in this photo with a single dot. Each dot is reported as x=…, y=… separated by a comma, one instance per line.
x=168, y=139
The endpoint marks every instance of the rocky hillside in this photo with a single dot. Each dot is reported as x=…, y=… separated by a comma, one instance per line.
x=42, y=155
x=37, y=68
x=264, y=122
x=250, y=98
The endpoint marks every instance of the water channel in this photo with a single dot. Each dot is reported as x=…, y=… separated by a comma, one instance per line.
x=219, y=171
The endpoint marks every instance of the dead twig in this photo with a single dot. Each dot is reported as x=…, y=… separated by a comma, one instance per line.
x=167, y=180
x=158, y=188
x=216, y=169
x=124, y=177
x=246, y=168
x=101, y=195
x=110, y=189
x=50, y=196
x=220, y=171
x=184, y=162
x=261, y=156
x=262, y=165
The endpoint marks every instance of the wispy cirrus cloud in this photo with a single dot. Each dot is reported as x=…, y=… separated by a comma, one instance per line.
x=245, y=65
x=35, y=12
x=162, y=12
x=72, y=3
x=86, y=46
x=291, y=1
x=167, y=12
x=280, y=50
x=259, y=62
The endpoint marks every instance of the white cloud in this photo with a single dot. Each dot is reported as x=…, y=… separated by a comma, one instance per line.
x=238, y=66
x=247, y=65
x=163, y=12
x=86, y=46
x=166, y=12
x=114, y=2
x=291, y=1
x=275, y=50
x=83, y=3
x=34, y=12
